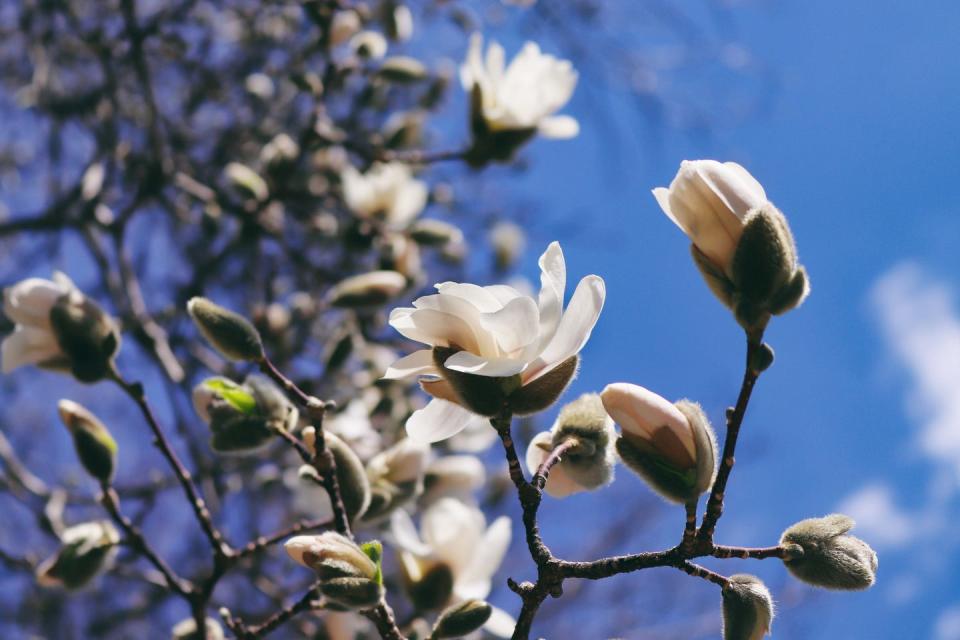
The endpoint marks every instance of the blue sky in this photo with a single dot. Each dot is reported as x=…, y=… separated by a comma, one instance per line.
x=858, y=144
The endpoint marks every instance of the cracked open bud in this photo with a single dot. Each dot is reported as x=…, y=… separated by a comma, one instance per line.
x=435, y=233
x=350, y=575
x=351, y=476
x=87, y=550
x=187, y=630
x=367, y=289
x=396, y=477
x=231, y=334
x=747, y=608
x=58, y=328
x=820, y=553
x=95, y=447
x=461, y=619
x=242, y=418
x=742, y=244
x=671, y=446
x=589, y=463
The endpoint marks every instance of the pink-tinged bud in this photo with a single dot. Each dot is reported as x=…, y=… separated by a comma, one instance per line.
x=331, y=555
x=670, y=445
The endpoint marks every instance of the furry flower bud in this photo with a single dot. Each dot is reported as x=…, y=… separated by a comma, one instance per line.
x=821, y=553
x=671, y=446
x=461, y=619
x=242, y=418
x=332, y=555
x=589, y=463
x=87, y=550
x=742, y=244
x=230, y=333
x=351, y=476
x=95, y=447
x=352, y=593
x=747, y=608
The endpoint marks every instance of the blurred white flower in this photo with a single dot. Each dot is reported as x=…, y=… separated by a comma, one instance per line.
x=33, y=341
x=709, y=200
x=344, y=24
x=354, y=427
x=456, y=476
x=369, y=44
x=497, y=332
x=477, y=436
x=387, y=192
x=526, y=93
x=455, y=537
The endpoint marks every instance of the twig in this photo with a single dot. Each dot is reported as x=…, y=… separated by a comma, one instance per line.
x=702, y=572
x=261, y=543
x=757, y=553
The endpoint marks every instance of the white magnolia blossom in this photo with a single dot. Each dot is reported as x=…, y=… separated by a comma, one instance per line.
x=388, y=192
x=526, y=93
x=499, y=331
x=709, y=201
x=456, y=535
x=28, y=303
x=354, y=427
x=456, y=476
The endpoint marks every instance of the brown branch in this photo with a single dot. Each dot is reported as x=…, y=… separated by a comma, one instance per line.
x=757, y=553
x=261, y=543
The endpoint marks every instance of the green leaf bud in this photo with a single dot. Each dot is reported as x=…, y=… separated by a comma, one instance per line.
x=95, y=447
x=461, y=619
x=821, y=553
x=87, y=550
x=243, y=418
x=230, y=333
x=747, y=608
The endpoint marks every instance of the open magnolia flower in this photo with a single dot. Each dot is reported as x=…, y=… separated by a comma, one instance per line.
x=387, y=192
x=510, y=104
x=454, y=558
x=57, y=328
x=492, y=347
x=742, y=244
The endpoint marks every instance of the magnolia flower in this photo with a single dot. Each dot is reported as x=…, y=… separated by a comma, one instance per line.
x=496, y=334
x=525, y=94
x=387, y=191
x=455, y=555
x=670, y=445
x=58, y=328
x=709, y=200
x=456, y=476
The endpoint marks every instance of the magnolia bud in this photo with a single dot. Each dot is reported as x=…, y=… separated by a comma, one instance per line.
x=230, y=333
x=589, y=463
x=87, y=335
x=747, y=608
x=509, y=241
x=461, y=619
x=344, y=24
x=351, y=476
x=821, y=554
x=280, y=152
x=352, y=593
x=95, y=447
x=402, y=69
x=399, y=23
x=369, y=45
x=671, y=446
x=396, y=477
x=247, y=181
x=243, y=418
x=88, y=549
x=435, y=233
x=332, y=555
x=187, y=630
x=367, y=289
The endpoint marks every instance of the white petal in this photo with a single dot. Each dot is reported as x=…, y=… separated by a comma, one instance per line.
x=481, y=298
x=739, y=191
x=640, y=411
x=560, y=484
x=438, y=420
x=575, y=326
x=405, y=535
x=662, y=194
x=559, y=127
x=435, y=328
x=515, y=326
x=26, y=346
x=474, y=581
x=408, y=202
x=454, y=531
x=500, y=624
x=30, y=301
x=467, y=362
x=537, y=454
x=553, y=284
x=417, y=363
x=476, y=437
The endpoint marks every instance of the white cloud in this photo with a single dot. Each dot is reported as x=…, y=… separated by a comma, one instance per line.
x=948, y=624
x=921, y=325
x=878, y=518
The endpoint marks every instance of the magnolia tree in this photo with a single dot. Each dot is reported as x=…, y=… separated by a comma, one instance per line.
x=337, y=422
